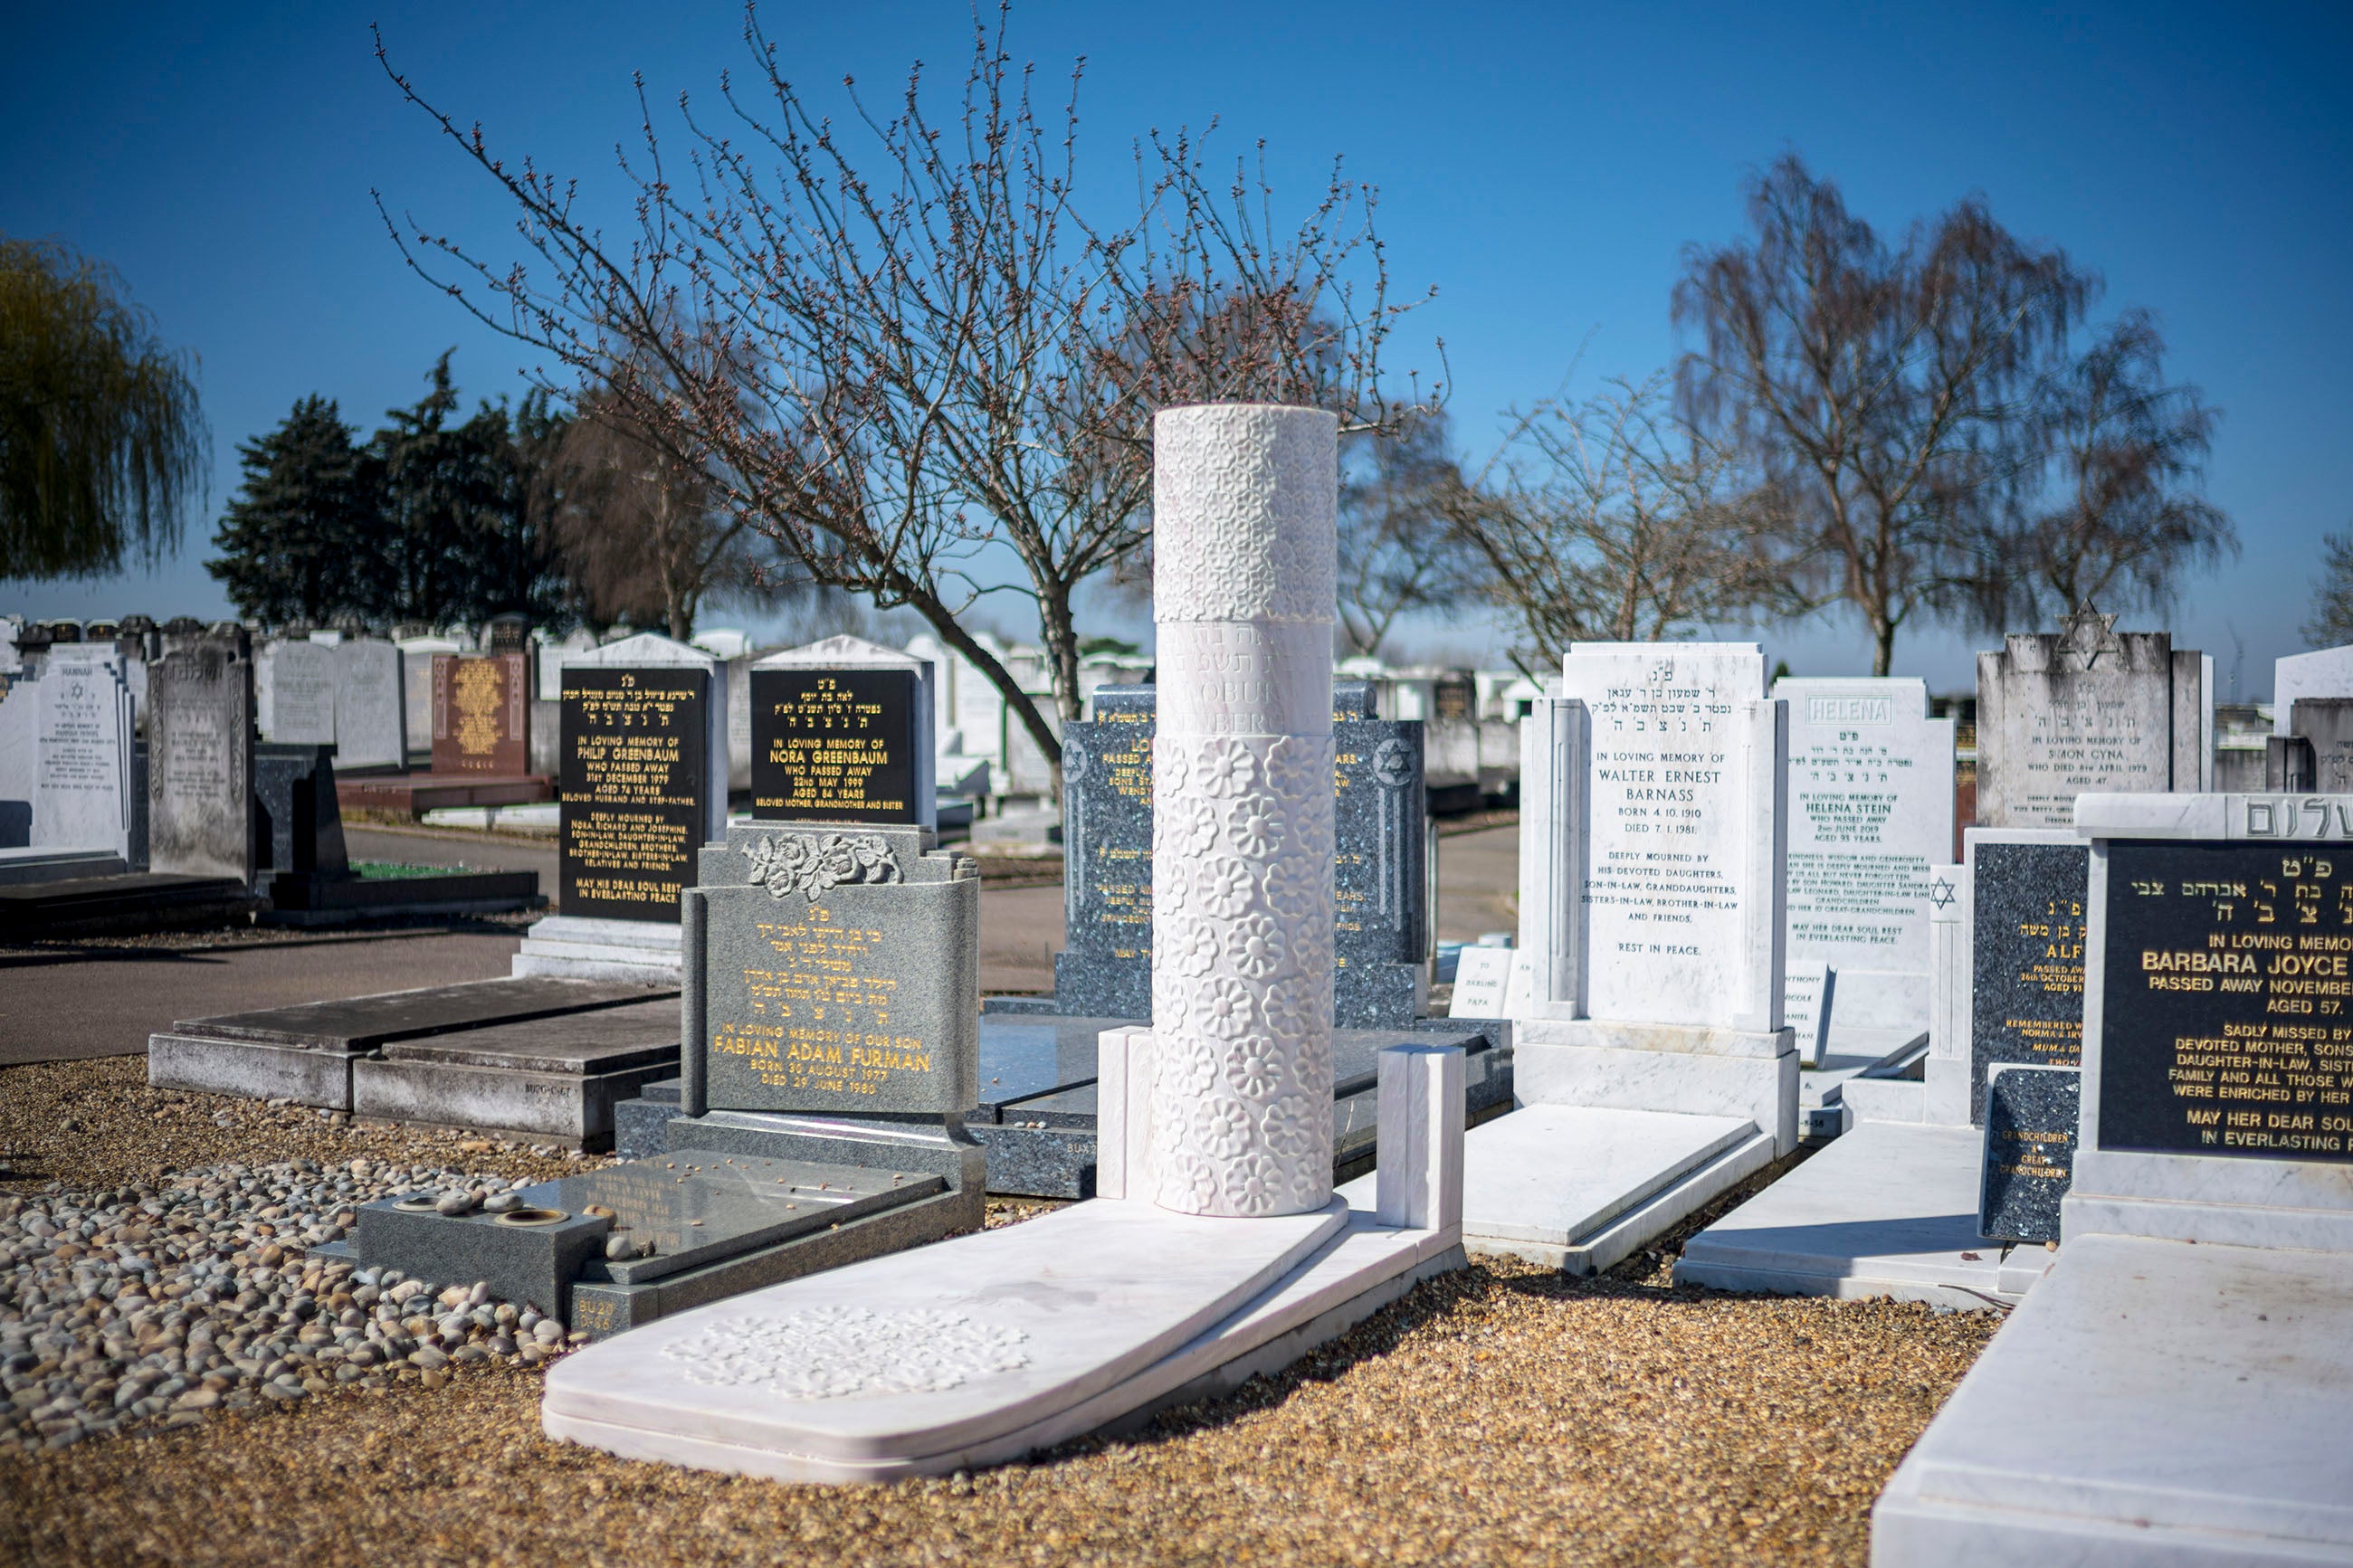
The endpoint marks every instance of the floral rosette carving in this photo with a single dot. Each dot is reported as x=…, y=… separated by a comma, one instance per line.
x=813, y=865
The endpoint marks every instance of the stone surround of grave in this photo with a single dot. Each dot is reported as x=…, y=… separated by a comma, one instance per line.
x=553, y=1079
x=644, y=774
x=2085, y=708
x=306, y=1053
x=1893, y=1207
x=1216, y=1248
x=1649, y=1058
x=2209, y=1183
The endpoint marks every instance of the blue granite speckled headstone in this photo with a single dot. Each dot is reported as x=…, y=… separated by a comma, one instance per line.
x=2026, y=957
x=1104, y=968
x=2031, y=1116
x=1380, y=892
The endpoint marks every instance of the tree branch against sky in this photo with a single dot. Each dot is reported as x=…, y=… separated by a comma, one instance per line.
x=899, y=347
x=103, y=448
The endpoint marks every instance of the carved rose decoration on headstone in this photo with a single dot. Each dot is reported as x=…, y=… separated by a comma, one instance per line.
x=813, y=866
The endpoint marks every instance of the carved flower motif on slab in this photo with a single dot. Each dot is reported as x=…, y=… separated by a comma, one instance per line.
x=1194, y=947
x=1256, y=1185
x=1256, y=946
x=1228, y=770
x=1287, y=1015
x=1254, y=1065
x=1187, y=1063
x=1295, y=765
x=1222, y=1128
x=830, y=1352
x=1226, y=887
x=1253, y=829
x=1295, y=888
x=1186, y=1179
x=1193, y=825
x=1221, y=1007
x=1287, y=1131
x=814, y=866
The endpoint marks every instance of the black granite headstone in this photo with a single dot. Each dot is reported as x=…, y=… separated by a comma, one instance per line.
x=1104, y=968
x=634, y=776
x=2227, y=970
x=834, y=745
x=298, y=828
x=2026, y=945
x=2031, y=1116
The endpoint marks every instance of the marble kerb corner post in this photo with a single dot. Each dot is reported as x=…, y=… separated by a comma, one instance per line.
x=1216, y=1249
x=644, y=776
x=1650, y=1060
x=2172, y=1391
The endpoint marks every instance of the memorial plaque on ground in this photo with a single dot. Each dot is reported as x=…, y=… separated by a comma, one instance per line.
x=1481, y=977
x=2026, y=945
x=1104, y=968
x=635, y=778
x=834, y=970
x=2031, y=1115
x=200, y=761
x=835, y=745
x=1380, y=891
x=301, y=710
x=2227, y=972
x=481, y=713
x=1870, y=809
x=2087, y=710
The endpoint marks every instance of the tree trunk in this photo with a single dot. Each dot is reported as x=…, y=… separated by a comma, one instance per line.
x=1882, y=634
x=943, y=621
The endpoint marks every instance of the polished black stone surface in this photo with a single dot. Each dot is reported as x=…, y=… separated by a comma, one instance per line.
x=2031, y=1116
x=364, y=1022
x=636, y=785
x=2228, y=967
x=835, y=745
x=2027, y=957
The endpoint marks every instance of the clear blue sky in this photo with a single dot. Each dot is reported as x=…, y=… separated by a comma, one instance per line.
x=1544, y=165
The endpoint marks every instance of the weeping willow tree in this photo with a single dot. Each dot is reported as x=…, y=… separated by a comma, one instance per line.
x=103, y=444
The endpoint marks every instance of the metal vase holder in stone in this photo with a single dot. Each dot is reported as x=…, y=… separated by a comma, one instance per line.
x=1217, y=1251
x=1650, y=1059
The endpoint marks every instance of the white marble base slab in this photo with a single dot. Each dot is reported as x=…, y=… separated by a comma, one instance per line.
x=1581, y=1187
x=572, y=947
x=913, y=1362
x=2152, y=1402
x=1888, y=1210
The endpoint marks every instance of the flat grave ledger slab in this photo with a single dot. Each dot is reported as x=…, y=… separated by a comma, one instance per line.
x=81, y=794
x=302, y=686
x=371, y=705
x=558, y=1077
x=1104, y=968
x=2085, y=709
x=2030, y=1120
x=837, y=971
x=636, y=779
x=481, y=714
x=2027, y=921
x=838, y=745
x=1870, y=809
x=200, y=813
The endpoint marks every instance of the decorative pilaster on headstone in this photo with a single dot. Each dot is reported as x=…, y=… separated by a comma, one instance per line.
x=1244, y=499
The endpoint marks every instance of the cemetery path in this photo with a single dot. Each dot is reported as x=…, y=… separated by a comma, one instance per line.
x=1478, y=883
x=1020, y=931
x=106, y=1002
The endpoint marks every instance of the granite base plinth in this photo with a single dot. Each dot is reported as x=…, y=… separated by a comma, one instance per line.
x=644, y=952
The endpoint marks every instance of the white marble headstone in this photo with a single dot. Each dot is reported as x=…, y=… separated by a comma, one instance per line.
x=20, y=759
x=1808, y=989
x=371, y=709
x=1870, y=809
x=300, y=705
x=2085, y=709
x=2328, y=673
x=81, y=798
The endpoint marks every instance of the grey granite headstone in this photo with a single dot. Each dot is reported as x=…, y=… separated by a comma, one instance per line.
x=371, y=705
x=200, y=759
x=832, y=969
x=1380, y=891
x=1104, y=968
x=2325, y=724
x=2085, y=709
x=302, y=689
x=2031, y=1115
x=2026, y=946
x=81, y=796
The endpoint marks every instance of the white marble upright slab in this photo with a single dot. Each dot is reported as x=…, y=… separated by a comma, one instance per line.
x=20, y=757
x=1870, y=809
x=1809, y=992
x=2085, y=709
x=298, y=693
x=371, y=705
x=2328, y=673
x=81, y=793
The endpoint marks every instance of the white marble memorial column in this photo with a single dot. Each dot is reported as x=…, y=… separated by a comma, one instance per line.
x=1245, y=561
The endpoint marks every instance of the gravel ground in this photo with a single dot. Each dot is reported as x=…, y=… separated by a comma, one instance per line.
x=1499, y=1414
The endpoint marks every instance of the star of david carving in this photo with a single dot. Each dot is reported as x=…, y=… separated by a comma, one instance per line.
x=2087, y=634
x=1940, y=893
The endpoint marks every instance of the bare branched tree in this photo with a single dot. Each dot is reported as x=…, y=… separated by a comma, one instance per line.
x=1398, y=555
x=1613, y=520
x=1890, y=393
x=2125, y=519
x=903, y=352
